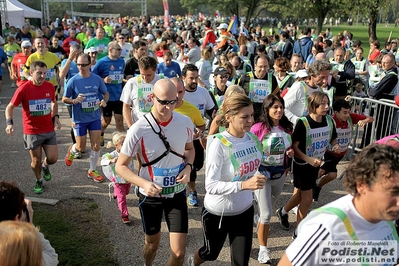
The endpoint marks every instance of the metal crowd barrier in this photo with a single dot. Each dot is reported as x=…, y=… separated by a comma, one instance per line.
x=386, y=117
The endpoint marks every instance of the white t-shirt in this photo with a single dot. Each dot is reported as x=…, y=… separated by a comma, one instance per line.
x=130, y=95
x=322, y=226
x=143, y=140
x=295, y=101
x=222, y=182
x=200, y=98
x=204, y=70
x=126, y=49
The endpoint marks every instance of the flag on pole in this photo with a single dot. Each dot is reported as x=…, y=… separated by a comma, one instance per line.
x=166, y=13
x=233, y=26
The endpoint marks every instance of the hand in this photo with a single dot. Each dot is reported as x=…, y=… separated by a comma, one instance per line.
x=73, y=55
x=198, y=134
x=9, y=130
x=336, y=148
x=290, y=153
x=107, y=79
x=184, y=175
x=347, y=98
x=152, y=189
x=24, y=217
x=57, y=123
x=334, y=73
x=254, y=183
x=102, y=103
x=314, y=162
x=80, y=98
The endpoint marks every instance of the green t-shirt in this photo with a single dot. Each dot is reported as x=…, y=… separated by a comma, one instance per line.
x=100, y=45
x=11, y=50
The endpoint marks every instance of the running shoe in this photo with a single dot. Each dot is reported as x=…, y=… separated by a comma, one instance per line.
x=102, y=141
x=38, y=187
x=69, y=156
x=125, y=220
x=283, y=219
x=46, y=173
x=192, y=199
x=263, y=256
x=95, y=176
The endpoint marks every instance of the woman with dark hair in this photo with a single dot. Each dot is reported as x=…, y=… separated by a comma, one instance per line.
x=312, y=57
x=374, y=51
x=274, y=131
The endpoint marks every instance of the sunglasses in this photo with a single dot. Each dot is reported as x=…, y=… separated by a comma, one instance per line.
x=120, y=38
x=163, y=102
x=83, y=65
x=224, y=77
x=118, y=49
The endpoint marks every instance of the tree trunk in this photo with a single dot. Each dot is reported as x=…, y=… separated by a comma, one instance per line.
x=373, y=25
x=320, y=20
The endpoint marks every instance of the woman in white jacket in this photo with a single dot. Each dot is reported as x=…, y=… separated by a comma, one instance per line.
x=232, y=160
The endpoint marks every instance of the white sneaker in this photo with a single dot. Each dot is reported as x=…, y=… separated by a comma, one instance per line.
x=190, y=261
x=263, y=257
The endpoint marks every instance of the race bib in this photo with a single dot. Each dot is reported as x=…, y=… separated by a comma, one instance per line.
x=144, y=97
x=90, y=104
x=116, y=77
x=39, y=107
x=166, y=178
x=274, y=147
x=50, y=74
x=258, y=90
x=320, y=138
x=247, y=159
x=344, y=137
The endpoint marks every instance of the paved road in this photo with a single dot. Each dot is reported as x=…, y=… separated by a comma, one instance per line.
x=69, y=182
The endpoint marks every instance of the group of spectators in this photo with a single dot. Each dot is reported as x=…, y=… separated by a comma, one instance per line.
x=264, y=100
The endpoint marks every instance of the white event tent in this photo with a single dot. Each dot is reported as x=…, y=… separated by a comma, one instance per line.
x=17, y=12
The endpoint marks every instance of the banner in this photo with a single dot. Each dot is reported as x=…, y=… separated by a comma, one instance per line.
x=166, y=13
x=94, y=15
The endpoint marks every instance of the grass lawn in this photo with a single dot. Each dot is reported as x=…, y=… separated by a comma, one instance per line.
x=361, y=33
x=75, y=230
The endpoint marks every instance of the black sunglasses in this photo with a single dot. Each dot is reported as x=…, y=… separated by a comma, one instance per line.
x=163, y=102
x=83, y=65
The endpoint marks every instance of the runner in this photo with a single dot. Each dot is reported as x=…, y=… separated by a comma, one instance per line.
x=82, y=92
x=18, y=63
x=163, y=141
x=39, y=117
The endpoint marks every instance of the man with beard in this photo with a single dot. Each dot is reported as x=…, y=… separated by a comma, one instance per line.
x=201, y=98
x=259, y=83
x=140, y=49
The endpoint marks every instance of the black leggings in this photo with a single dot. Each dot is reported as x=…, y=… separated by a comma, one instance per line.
x=239, y=228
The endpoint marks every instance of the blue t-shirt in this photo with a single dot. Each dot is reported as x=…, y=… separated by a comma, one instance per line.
x=93, y=88
x=113, y=68
x=72, y=71
x=3, y=58
x=169, y=71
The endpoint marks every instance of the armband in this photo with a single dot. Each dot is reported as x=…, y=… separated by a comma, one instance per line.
x=189, y=164
x=10, y=122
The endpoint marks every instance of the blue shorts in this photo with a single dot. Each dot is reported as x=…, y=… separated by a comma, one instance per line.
x=80, y=129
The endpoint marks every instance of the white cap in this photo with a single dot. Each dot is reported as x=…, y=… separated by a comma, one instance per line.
x=91, y=50
x=149, y=37
x=301, y=73
x=26, y=44
x=223, y=26
x=136, y=39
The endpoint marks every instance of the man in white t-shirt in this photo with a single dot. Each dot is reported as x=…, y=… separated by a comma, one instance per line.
x=137, y=93
x=162, y=139
x=365, y=216
x=201, y=98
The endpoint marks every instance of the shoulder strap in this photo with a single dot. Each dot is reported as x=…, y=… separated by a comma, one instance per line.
x=309, y=150
x=163, y=139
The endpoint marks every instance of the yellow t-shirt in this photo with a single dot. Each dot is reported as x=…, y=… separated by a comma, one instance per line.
x=192, y=112
x=52, y=62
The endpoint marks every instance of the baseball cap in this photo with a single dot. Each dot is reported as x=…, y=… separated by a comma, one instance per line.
x=125, y=32
x=92, y=50
x=26, y=44
x=301, y=73
x=219, y=71
x=149, y=37
x=223, y=26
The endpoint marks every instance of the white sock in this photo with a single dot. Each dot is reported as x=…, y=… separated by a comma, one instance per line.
x=43, y=165
x=262, y=248
x=283, y=212
x=74, y=148
x=94, y=155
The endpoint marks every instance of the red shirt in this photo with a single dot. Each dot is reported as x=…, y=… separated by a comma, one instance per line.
x=36, y=106
x=210, y=37
x=18, y=63
x=66, y=45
